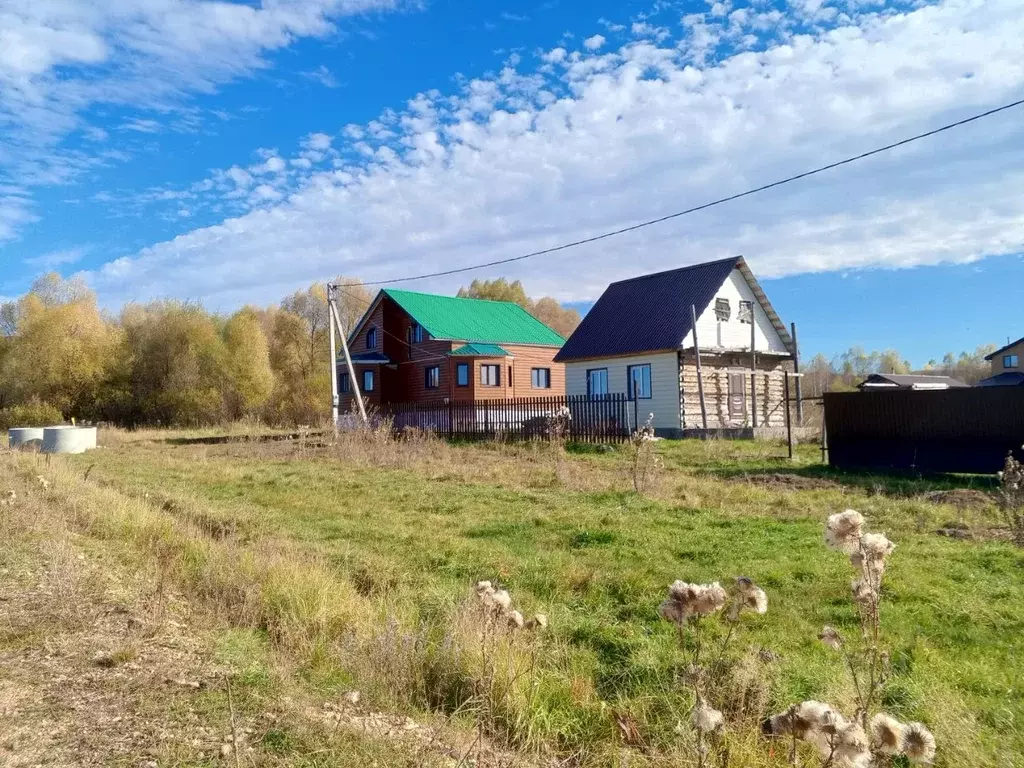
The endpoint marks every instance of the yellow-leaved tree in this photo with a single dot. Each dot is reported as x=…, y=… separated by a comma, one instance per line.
x=58, y=346
x=300, y=350
x=249, y=377
x=176, y=363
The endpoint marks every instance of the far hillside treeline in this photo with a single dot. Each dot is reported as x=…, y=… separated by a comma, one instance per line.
x=175, y=363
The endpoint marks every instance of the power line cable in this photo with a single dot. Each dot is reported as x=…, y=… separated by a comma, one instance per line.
x=695, y=209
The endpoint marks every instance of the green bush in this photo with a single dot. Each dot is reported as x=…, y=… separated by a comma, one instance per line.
x=33, y=414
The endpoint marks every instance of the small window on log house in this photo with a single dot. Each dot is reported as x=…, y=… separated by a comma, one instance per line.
x=722, y=310
x=746, y=313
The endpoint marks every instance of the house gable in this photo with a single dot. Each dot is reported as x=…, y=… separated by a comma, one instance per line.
x=733, y=334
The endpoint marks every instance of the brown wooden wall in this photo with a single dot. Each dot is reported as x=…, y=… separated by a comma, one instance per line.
x=770, y=383
x=528, y=358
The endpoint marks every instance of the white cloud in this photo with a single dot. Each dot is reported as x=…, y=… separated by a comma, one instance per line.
x=518, y=162
x=140, y=125
x=322, y=75
x=60, y=258
x=594, y=43
x=318, y=141
x=59, y=58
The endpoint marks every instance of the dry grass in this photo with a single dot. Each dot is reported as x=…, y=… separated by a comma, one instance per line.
x=378, y=604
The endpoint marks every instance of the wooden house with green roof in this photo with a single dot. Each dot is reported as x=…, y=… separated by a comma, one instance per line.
x=414, y=347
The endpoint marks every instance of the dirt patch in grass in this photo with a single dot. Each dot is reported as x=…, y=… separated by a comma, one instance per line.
x=961, y=498
x=783, y=481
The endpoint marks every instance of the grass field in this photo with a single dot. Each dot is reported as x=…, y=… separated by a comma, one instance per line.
x=362, y=558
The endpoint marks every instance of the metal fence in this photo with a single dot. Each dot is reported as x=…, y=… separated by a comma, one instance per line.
x=608, y=419
x=954, y=430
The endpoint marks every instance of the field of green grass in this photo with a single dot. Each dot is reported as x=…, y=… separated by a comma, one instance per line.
x=409, y=529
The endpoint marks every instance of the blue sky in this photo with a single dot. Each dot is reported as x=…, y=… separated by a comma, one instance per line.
x=233, y=152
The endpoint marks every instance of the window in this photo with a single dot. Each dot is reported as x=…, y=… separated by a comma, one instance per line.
x=371, y=338
x=597, y=382
x=540, y=378
x=344, y=385
x=746, y=313
x=490, y=375
x=511, y=381
x=462, y=374
x=432, y=377
x=1010, y=361
x=367, y=381
x=415, y=333
x=722, y=310
x=638, y=381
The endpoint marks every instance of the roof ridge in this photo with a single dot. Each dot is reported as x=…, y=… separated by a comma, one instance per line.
x=459, y=298
x=677, y=269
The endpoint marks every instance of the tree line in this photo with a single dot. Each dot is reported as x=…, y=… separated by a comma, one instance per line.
x=175, y=363
x=845, y=371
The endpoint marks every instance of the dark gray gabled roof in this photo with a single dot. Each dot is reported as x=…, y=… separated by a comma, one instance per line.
x=1008, y=379
x=652, y=312
x=909, y=381
x=1003, y=349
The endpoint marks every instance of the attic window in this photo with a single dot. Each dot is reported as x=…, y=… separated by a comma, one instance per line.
x=746, y=313
x=722, y=310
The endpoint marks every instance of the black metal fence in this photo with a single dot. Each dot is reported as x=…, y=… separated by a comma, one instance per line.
x=953, y=430
x=608, y=419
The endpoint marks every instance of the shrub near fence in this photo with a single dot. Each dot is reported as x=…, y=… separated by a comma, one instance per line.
x=594, y=419
x=953, y=430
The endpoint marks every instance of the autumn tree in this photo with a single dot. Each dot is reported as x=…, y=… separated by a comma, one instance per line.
x=498, y=289
x=58, y=346
x=177, y=363
x=564, y=320
x=249, y=379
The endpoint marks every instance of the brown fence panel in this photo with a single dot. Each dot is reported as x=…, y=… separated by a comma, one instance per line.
x=953, y=430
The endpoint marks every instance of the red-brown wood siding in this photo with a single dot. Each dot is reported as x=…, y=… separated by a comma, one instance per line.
x=526, y=359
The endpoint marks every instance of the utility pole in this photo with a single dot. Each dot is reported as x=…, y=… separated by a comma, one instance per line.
x=334, y=364
x=335, y=317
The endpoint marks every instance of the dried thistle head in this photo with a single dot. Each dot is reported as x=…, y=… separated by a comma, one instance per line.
x=918, y=743
x=515, y=620
x=799, y=721
x=886, y=734
x=705, y=718
x=831, y=637
x=685, y=600
x=851, y=745
x=748, y=596
x=864, y=591
x=843, y=530
x=539, y=621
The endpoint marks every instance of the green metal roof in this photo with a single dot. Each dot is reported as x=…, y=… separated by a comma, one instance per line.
x=474, y=320
x=480, y=350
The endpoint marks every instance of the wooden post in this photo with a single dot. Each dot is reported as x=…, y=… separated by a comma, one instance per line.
x=789, y=421
x=824, y=435
x=796, y=369
x=753, y=370
x=700, y=372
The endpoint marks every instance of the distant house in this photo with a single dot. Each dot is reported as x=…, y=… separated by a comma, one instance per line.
x=638, y=339
x=1007, y=366
x=889, y=381
x=421, y=347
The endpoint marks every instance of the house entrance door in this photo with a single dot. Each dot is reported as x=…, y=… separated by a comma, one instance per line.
x=737, y=397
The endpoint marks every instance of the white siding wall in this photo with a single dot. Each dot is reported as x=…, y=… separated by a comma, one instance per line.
x=732, y=334
x=664, y=402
